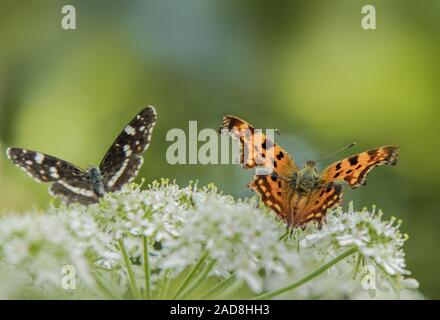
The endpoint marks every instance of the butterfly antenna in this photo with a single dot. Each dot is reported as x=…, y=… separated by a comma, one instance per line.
x=295, y=149
x=337, y=151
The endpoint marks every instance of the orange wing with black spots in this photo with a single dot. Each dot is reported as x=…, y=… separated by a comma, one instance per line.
x=314, y=206
x=294, y=209
x=354, y=169
x=257, y=149
x=282, y=191
x=274, y=193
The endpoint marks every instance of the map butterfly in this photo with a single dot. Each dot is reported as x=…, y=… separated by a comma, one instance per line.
x=119, y=166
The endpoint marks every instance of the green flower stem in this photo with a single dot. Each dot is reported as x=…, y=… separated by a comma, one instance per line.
x=134, y=288
x=357, y=266
x=219, y=287
x=270, y=295
x=191, y=275
x=102, y=287
x=147, y=269
x=199, y=280
x=230, y=290
x=284, y=236
x=162, y=286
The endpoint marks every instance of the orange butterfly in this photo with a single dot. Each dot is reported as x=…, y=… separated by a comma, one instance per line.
x=301, y=195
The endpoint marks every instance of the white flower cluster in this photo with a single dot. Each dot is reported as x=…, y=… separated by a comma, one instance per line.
x=184, y=224
x=380, y=259
x=35, y=248
x=241, y=239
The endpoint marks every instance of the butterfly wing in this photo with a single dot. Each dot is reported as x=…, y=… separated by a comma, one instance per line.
x=70, y=193
x=70, y=181
x=313, y=207
x=256, y=147
x=275, y=193
x=294, y=209
x=123, y=160
x=354, y=169
x=275, y=189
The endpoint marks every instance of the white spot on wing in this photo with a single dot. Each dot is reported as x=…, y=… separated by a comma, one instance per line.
x=136, y=171
x=29, y=173
x=130, y=130
x=54, y=175
x=119, y=173
x=83, y=192
x=11, y=156
x=39, y=157
x=127, y=150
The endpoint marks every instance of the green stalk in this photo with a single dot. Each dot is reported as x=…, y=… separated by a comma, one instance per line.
x=147, y=270
x=219, y=287
x=284, y=236
x=191, y=275
x=199, y=280
x=163, y=282
x=166, y=286
x=270, y=295
x=357, y=266
x=230, y=290
x=133, y=286
x=102, y=287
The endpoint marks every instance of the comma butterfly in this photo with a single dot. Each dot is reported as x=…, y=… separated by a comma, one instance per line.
x=302, y=195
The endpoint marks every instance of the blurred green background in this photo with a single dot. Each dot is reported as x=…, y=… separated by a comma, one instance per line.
x=304, y=67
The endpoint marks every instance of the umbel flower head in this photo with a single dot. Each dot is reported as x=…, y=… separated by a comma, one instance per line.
x=379, y=244
x=136, y=242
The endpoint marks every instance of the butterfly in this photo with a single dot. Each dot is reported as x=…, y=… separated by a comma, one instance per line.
x=300, y=195
x=119, y=166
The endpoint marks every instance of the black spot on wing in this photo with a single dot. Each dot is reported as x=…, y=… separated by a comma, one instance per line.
x=329, y=188
x=372, y=153
x=280, y=155
x=353, y=160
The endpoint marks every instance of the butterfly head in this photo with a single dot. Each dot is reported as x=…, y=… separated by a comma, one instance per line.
x=309, y=170
x=93, y=171
x=307, y=177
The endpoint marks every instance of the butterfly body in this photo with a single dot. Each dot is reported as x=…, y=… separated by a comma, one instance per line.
x=119, y=166
x=307, y=178
x=300, y=195
x=96, y=180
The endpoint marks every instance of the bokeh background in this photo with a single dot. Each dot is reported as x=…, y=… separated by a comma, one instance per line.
x=304, y=67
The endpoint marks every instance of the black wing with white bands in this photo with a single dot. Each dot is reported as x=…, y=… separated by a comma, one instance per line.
x=123, y=160
x=69, y=181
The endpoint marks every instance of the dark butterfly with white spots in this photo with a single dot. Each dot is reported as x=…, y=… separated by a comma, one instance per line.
x=119, y=166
